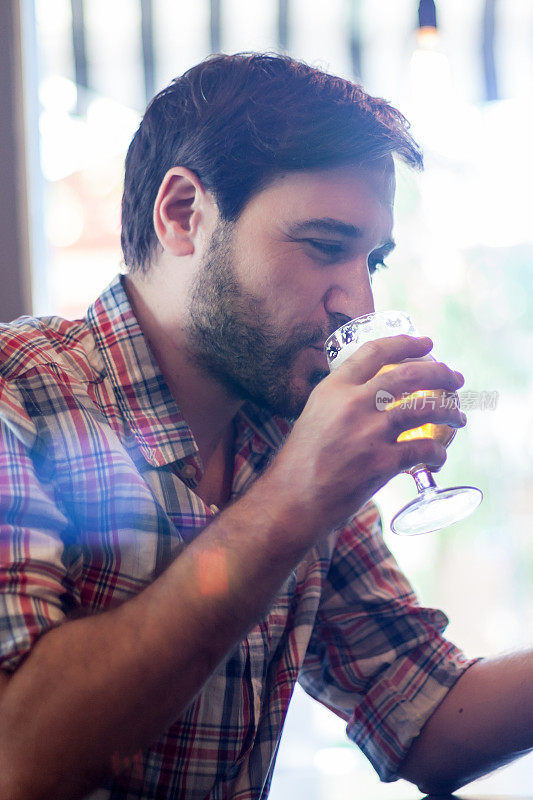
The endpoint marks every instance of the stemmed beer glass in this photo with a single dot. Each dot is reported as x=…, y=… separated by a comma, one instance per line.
x=434, y=508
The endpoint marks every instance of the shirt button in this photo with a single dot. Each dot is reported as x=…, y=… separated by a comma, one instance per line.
x=188, y=471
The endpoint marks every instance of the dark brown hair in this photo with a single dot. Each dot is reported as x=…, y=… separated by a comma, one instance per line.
x=238, y=121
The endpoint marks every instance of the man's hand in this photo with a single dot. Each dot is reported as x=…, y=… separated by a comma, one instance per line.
x=343, y=449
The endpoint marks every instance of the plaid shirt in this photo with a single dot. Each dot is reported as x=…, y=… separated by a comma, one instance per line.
x=97, y=476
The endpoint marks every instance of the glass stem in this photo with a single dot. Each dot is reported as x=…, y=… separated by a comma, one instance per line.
x=423, y=479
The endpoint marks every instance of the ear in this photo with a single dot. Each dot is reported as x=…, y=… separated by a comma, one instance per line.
x=178, y=210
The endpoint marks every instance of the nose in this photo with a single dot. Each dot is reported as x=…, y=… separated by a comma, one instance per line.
x=351, y=294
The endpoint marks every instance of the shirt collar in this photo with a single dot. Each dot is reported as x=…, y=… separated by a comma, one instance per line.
x=142, y=394
x=271, y=430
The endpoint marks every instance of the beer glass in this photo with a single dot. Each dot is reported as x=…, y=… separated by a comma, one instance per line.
x=433, y=508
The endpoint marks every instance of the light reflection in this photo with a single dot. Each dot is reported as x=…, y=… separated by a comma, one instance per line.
x=65, y=226
x=335, y=760
x=58, y=94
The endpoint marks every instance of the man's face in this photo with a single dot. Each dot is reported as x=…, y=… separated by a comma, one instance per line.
x=274, y=284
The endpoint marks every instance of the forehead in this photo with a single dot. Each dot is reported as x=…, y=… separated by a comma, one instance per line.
x=354, y=194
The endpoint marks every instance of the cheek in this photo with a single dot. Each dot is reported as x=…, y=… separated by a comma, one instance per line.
x=289, y=288
x=279, y=270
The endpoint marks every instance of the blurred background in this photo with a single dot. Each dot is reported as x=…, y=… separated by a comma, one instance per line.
x=76, y=76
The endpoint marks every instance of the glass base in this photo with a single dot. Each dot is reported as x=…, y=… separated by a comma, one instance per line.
x=436, y=508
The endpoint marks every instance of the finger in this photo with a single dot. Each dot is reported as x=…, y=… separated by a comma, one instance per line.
x=417, y=375
x=368, y=359
x=420, y=451
x=402, y=418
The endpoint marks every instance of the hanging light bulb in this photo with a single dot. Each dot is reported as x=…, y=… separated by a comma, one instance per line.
x=430, y=74
x=427, y=14
x=427, y=35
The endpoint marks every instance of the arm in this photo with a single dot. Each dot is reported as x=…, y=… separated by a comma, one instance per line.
x=377, y=657
x=81, y=702
x=484, y=722
x=123, y=676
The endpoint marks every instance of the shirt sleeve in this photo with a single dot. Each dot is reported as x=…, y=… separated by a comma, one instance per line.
x=37, y=589
x=376, y=657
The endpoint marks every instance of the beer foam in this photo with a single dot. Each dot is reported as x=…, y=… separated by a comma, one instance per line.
x=346, y=352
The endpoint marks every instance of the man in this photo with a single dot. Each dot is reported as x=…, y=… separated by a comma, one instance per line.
x=187, y=525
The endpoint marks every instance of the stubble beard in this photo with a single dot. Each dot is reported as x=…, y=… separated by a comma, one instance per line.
x=230, y=336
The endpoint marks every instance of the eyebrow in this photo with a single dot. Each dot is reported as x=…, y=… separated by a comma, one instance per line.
x=335, y=226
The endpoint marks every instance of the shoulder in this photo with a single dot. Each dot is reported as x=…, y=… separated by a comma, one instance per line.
x=360, y=539
x=367, y=520
x=46, y=364
x=31, y=344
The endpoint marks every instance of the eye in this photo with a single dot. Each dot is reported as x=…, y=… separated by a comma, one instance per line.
x=331, y=250
x=376, y=264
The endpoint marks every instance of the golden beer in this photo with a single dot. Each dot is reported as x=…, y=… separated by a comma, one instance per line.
x=441, y=433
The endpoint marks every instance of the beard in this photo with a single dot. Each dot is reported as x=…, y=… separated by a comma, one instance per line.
x=231, y=337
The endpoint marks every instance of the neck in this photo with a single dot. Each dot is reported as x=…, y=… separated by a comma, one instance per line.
x=204, y=403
